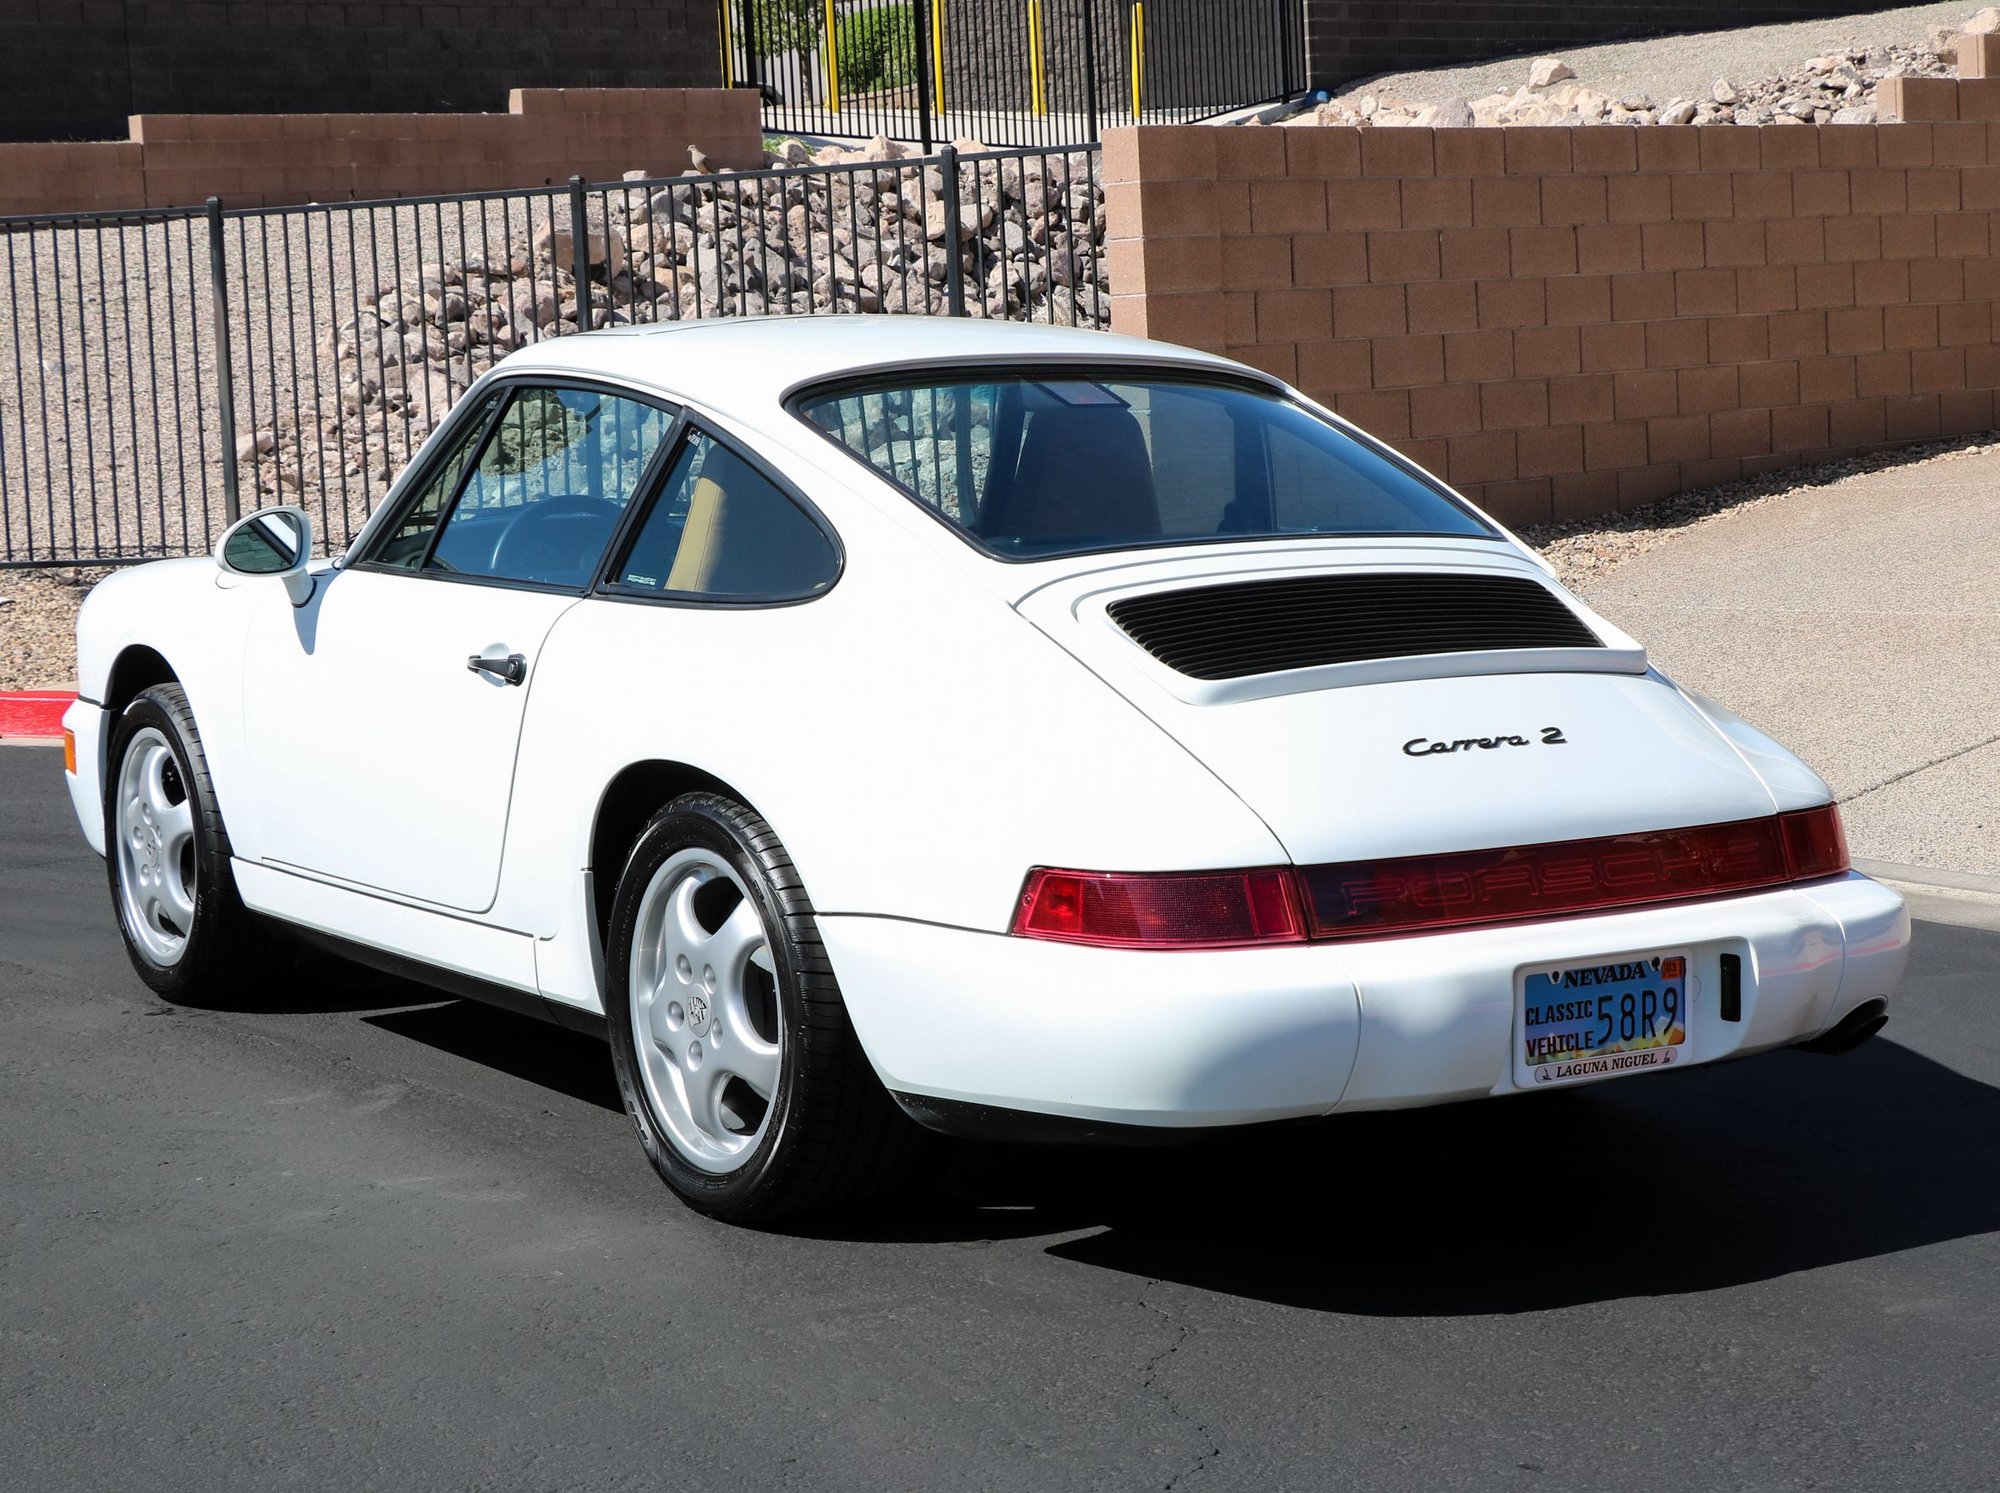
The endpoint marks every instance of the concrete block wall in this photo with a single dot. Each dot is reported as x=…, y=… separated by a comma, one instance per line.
x=75, y=69
x=256, y=160
x=1566, y=322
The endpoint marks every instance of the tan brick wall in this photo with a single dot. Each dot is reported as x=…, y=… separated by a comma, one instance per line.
x=65, y=178
x=1564, y=322
x=261, y=160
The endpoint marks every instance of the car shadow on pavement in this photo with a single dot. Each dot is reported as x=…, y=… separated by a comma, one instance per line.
x=296, y=979
x=565, y=1062
x=1710, y=1178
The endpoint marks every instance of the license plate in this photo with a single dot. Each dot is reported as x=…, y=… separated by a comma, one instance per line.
x=1596, y=1020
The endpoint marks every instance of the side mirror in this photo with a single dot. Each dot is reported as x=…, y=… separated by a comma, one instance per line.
x=271, y=541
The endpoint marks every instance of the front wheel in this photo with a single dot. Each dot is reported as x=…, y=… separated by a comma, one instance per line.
x=733, y=1050
x=167, y=854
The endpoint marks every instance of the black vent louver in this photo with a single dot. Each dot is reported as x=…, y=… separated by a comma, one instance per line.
x=1261, y=627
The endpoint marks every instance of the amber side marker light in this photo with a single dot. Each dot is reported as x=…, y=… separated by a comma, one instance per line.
x=1428, y=894
x=69, y=753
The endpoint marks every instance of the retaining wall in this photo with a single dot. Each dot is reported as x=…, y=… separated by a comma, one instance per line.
x=1563, y=322
x=248, y=160
x=75, y=69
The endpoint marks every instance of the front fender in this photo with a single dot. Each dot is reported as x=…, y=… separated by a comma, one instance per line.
x=194, y=618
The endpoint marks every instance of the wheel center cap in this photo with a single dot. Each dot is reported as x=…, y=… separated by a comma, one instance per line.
x=697, y=1009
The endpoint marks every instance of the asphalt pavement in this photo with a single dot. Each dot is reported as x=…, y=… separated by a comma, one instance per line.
x=365, y=1238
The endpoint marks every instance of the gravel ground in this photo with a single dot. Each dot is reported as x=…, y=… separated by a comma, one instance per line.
x=109, y=368
x=1677, y=66
x=37, y=626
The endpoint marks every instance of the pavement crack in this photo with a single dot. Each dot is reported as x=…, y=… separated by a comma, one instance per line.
x=1149, y=1377
x=1911, y=772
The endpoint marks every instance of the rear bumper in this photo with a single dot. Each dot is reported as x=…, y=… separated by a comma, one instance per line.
x=1199, y=1039
x=87, y=722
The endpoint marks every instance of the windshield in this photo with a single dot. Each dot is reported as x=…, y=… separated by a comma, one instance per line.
x=1035, y=464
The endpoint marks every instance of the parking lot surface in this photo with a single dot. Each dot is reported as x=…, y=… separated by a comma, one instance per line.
x=364, y=1237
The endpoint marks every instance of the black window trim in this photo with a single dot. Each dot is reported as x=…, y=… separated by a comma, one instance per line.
x=878, y=380
x=608, y=588
x=462, y=416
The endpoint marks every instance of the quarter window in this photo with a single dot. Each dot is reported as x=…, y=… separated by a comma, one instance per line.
x=721, y=529
x=404, y=548
x=550, y=484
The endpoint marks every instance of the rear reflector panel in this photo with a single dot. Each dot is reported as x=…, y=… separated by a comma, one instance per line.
x=1368, y=898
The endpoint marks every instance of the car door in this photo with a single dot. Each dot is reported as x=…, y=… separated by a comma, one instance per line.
x=388, y=709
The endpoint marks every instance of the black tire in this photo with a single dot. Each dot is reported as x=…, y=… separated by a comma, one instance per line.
x=832, y=1135
x=224, y=943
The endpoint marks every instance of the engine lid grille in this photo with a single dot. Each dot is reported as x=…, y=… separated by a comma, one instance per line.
x=1304, y=622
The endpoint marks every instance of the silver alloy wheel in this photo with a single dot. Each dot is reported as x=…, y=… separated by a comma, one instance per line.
x=706, y=1025
x=155, y=849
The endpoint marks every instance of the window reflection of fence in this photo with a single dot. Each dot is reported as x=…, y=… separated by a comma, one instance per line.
x=1008, y=71
x=162, y=372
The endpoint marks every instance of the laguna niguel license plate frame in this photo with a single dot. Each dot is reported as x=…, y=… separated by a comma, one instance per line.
x=1605, y=1017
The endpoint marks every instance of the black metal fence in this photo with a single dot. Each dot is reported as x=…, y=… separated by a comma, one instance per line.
x=162, y=372
x=1016, y=72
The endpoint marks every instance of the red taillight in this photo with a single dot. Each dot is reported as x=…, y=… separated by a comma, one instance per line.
x=1201, y=910
x=1422, y=894
x=1815, y=842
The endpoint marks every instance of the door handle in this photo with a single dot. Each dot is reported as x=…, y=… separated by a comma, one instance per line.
x=509, y=670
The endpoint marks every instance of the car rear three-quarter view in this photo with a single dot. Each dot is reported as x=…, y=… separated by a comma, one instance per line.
x=1017, y=732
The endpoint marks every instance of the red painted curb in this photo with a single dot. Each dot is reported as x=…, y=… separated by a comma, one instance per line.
x=34, y=712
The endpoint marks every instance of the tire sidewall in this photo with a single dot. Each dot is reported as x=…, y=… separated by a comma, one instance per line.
x=156, y=708
x=697, y=823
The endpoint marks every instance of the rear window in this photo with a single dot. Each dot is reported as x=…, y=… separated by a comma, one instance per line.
x=1036, y=464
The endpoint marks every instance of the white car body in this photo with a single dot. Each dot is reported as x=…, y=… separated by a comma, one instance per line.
x=932, y=727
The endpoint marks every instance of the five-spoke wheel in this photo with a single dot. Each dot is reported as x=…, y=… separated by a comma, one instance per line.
x=733, y=1051
x=154, y=843
x=704, y=996
x=168, y=856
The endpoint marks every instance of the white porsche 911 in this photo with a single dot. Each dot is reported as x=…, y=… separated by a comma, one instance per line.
x=1022, y=732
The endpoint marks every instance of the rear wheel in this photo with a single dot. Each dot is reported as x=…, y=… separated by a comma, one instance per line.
x=733, y=1050
x=167, y=853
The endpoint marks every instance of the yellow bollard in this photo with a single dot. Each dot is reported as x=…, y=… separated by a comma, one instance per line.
x=1038, y=101
x=1138, y=54
x=937, y=55
x=832, y=63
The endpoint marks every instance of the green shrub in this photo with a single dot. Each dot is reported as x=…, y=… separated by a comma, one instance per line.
x=877, y=48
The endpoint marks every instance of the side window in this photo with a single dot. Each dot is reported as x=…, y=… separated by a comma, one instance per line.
x=721, y=529
x=549, y=486
x=404, y=548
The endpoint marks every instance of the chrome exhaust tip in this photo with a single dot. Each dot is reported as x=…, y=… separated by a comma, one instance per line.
x=1856, y=1027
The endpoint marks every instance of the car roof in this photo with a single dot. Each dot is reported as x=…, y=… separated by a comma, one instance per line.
x=745, y=365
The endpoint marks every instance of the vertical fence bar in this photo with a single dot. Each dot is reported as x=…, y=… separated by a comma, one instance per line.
x=1090, y=63
x=954, y=251
x=920, y=18
x=579, y=228
x=225, y=381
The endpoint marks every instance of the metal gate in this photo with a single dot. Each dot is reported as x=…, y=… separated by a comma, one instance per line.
x=1007, y=72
